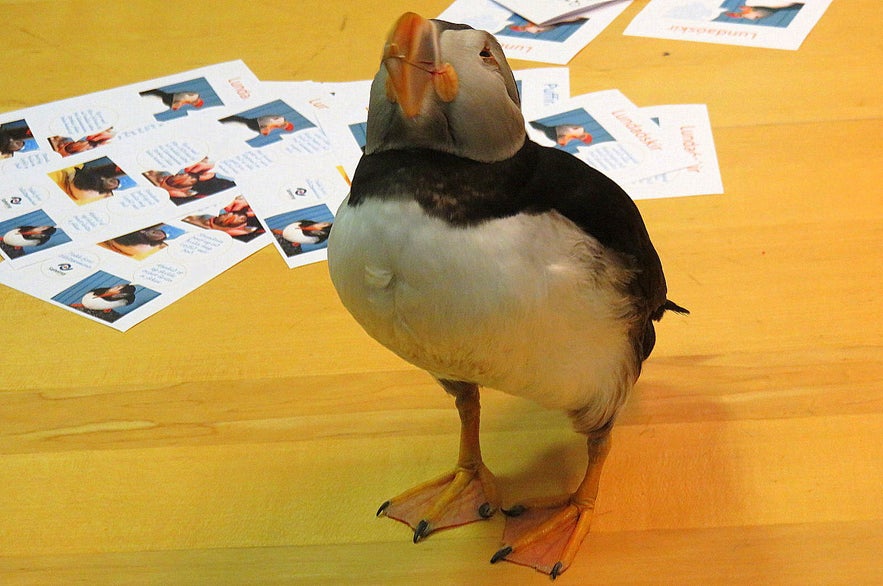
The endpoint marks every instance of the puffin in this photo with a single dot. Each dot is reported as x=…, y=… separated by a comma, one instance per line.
x=28, y=236
x=176, y=100
x=306, y=232
x=490, y=261
x=263, y=124
x=106, y=299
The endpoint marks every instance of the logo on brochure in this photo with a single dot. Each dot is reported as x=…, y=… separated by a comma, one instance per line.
x=60, y=269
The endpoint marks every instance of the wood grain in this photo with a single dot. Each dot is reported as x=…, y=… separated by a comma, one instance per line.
x=190, y=451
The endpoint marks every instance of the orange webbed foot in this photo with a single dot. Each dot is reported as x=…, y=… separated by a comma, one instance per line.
x=545, y=534
x=459, y=497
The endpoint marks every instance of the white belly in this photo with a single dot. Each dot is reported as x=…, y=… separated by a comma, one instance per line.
x=14, y=238
x=527, y=305
x=92, y=301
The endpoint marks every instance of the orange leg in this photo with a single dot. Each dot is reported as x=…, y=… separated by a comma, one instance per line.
x=466, y=494
x=546, y=533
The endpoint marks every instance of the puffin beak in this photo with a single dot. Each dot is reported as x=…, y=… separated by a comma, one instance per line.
x=412, y=60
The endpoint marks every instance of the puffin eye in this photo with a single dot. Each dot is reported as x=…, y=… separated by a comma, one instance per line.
x=487, y=56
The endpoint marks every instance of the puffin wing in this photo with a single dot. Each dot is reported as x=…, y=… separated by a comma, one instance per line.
x=603, y=210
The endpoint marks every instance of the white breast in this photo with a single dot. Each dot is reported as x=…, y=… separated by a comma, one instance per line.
x=14, y=238
x=94, y=302
x=293, y=233
x=527, y=305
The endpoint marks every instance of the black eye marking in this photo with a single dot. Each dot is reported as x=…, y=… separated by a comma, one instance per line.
x=488, y=57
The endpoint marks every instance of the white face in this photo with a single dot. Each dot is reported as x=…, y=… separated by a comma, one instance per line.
x=483, y=121
x=479, y=57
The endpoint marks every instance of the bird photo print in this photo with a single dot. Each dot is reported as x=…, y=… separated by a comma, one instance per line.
x=551, y=292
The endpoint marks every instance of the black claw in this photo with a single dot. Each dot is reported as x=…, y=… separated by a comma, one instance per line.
x=382, y=508
x=486, y=511
x=514, y=511
x=500, y=555
x=556, y=570
x=421, y=531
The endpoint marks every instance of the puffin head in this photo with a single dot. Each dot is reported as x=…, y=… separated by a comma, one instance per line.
x=446, y=87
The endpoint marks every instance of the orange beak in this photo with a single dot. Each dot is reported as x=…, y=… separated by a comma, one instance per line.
x=411, y=57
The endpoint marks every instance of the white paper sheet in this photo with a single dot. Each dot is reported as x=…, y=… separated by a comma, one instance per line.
x=610, y=133
x=774, y=24
x=297, y=205
x=57, y=130
x=145, y=221
x=686, y=125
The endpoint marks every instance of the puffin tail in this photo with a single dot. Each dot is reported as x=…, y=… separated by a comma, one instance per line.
x=668, y=306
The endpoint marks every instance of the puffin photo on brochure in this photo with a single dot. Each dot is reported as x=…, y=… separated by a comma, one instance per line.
x=550, y=294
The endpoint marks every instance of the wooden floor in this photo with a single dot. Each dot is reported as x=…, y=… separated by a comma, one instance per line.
x=246, y=434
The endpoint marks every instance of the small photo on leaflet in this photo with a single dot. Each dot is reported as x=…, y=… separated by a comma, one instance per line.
x=268, y=123
x=142, y=243
x=303, y=230
x=105, y=296
x=67, y=146
x=29, y=233
x=92, y=180
x=15, y=137
x=179, y=99
x=572, y=129
x=773, y=13
x=190, y=183
x=236, y=219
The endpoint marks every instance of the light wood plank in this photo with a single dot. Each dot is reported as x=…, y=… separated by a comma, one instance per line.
x=829, y=553
x=310, y=490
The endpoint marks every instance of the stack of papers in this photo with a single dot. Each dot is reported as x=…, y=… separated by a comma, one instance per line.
x=115, y=204
x=551, y=31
